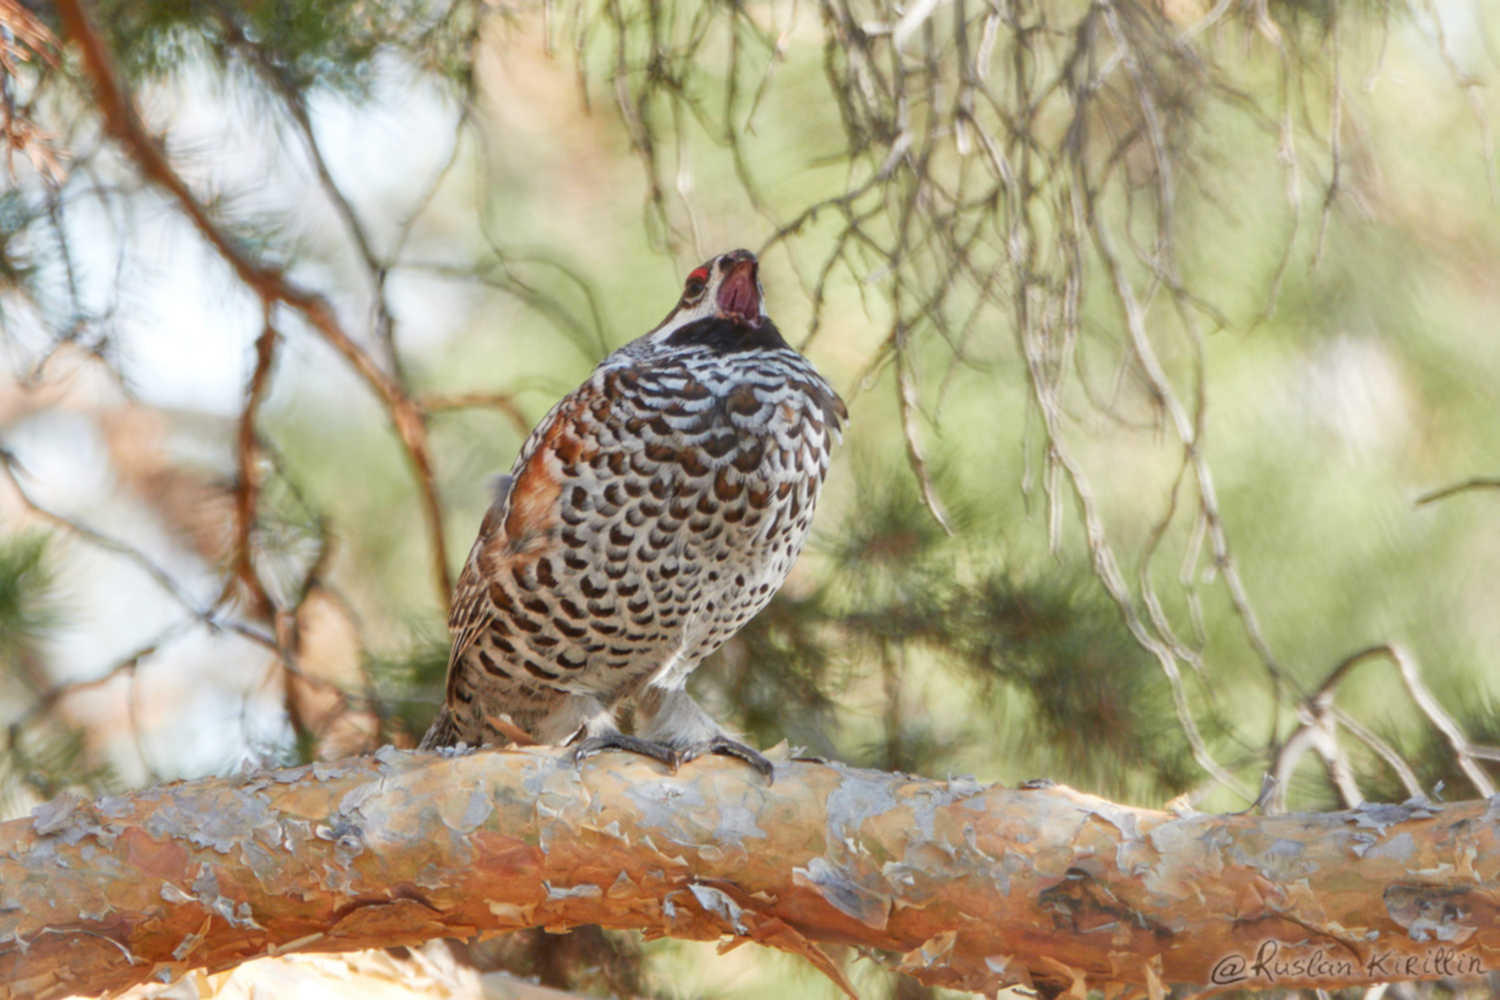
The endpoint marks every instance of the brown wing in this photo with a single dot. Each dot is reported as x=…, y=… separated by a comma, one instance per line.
x=521, y=522
x=469, y=613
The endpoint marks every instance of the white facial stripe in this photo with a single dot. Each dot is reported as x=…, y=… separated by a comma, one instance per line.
x=706, y=305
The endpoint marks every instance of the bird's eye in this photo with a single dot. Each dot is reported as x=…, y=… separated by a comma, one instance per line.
x=695, y=283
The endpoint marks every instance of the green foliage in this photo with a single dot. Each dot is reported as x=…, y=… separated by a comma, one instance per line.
x=41, y=759
x=1100, y=705
x=26, y=259
x=331, y=44
x=16, y=267
x=27, y=597
x=409, y=683
x=47, y=761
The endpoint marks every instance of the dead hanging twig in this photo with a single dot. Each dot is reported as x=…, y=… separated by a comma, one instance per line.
x=906, y=394
x=1321, y=721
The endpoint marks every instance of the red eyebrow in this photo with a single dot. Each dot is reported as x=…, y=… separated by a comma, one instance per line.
x=700, y=272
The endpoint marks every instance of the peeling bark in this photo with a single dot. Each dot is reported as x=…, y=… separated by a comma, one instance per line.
x=968, y=885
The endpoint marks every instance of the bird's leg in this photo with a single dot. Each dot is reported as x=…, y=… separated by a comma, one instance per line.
x=584, y=722
x=672, y=718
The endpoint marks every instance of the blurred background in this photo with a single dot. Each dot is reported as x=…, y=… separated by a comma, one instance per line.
x=1169, y=333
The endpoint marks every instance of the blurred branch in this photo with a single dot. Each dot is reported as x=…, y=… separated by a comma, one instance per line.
x=295, y=102
x=906, y=394
x=163, y=579
x=972, y=886
x=1443, y=493
x=329, y=698
x=49, y=700
x=248, y=486
x=269, y=283
x=437, y=403
x=22, y=36
x=1318, y=730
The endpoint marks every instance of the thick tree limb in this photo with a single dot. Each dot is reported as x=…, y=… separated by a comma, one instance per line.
x=974, y=886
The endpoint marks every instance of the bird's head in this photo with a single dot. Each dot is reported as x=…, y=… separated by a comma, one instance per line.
x=722, y=305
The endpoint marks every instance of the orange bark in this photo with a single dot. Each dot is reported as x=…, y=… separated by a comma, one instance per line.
x=972, y=886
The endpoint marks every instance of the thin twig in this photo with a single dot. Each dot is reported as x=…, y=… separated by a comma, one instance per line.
x=907, y=396
x=1444, y=492
x=504, y=402
x=248, y=485
x=159, y=576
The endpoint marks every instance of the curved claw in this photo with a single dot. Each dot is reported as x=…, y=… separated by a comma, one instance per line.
x=634, y=744
x=722, y=744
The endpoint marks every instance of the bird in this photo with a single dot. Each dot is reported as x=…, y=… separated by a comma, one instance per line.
x=650, y=515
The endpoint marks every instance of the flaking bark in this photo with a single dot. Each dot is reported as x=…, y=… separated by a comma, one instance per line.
x=961, y=884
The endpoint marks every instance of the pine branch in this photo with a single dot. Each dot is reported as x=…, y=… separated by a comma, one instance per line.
x=967, y=885
x=269, y=283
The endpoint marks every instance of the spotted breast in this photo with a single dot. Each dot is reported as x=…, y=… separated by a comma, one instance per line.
x=651, y=514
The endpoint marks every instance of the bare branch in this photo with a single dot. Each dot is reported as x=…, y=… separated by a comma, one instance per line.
x=1321, y=719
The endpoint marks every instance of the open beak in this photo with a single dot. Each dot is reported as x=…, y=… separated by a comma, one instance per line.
x=739, y=293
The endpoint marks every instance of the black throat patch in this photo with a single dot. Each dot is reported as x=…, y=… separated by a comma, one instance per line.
x=726, y=336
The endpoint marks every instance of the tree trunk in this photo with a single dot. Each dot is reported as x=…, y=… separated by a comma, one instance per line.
x=971, y=886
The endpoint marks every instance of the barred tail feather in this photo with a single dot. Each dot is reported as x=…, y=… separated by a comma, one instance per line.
x=442, y=733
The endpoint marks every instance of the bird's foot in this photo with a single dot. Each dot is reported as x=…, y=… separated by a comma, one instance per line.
x=722, y=744
x=617, y=740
